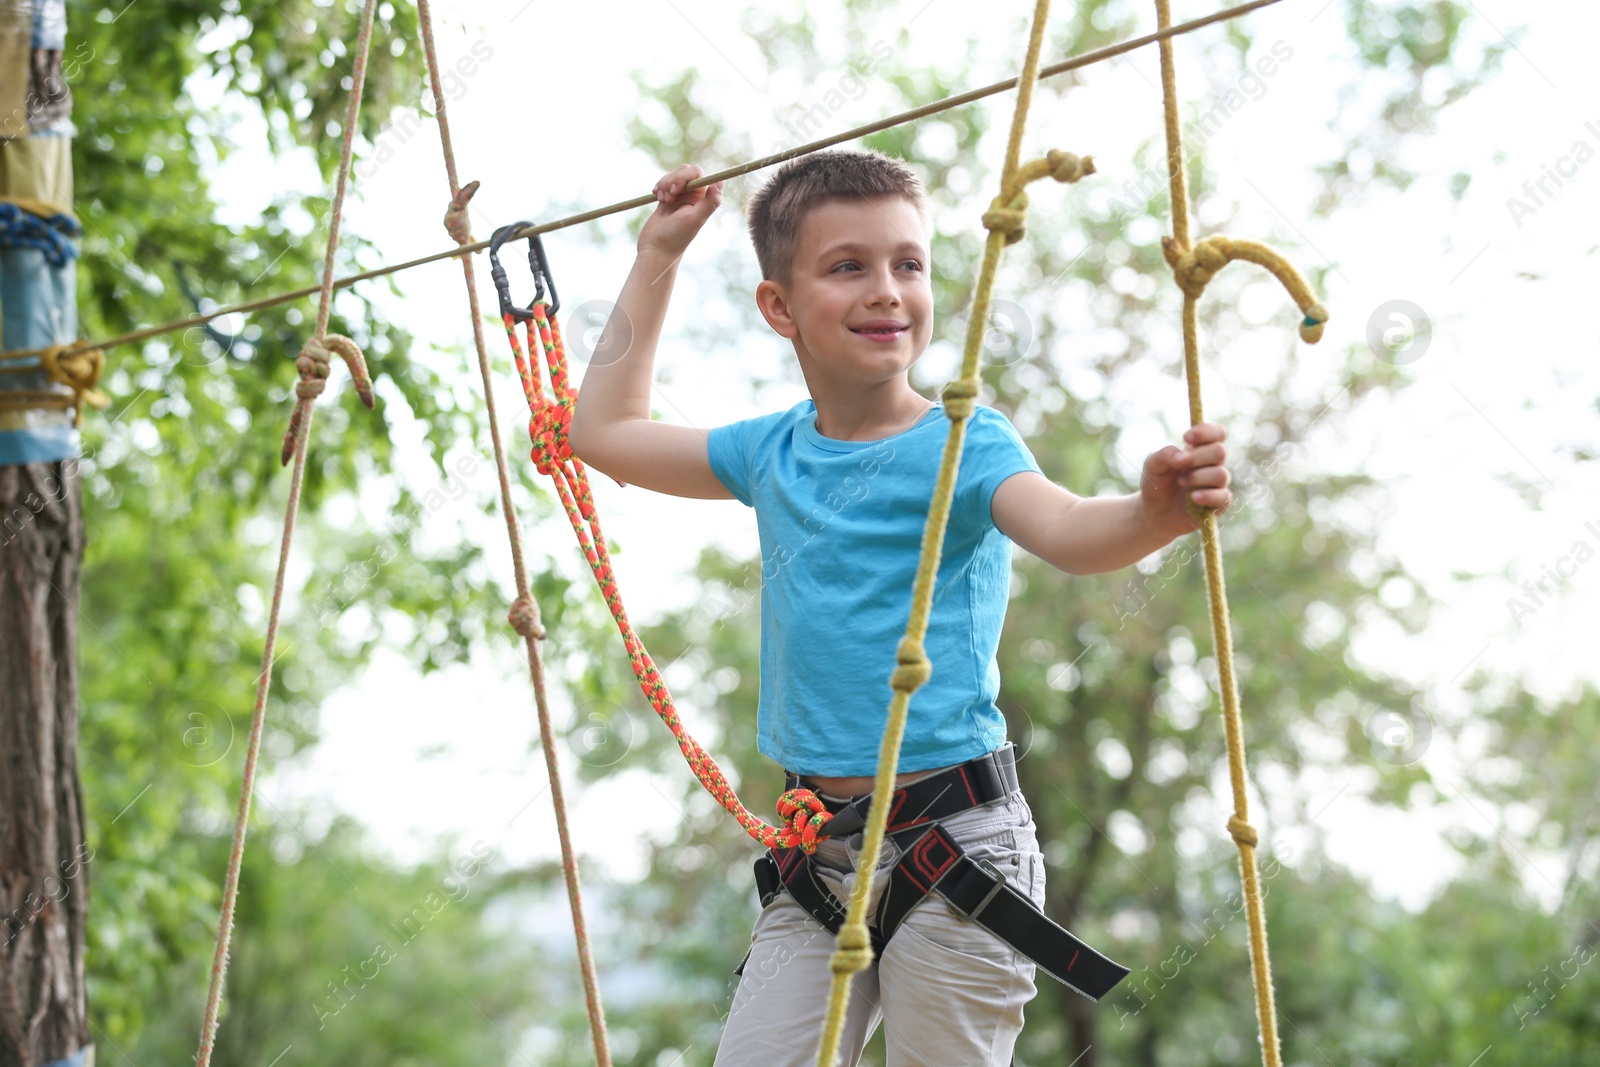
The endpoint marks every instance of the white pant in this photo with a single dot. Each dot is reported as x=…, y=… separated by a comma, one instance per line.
x=949, y=993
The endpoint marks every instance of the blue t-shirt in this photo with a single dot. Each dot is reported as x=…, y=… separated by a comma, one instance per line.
x=841, y=528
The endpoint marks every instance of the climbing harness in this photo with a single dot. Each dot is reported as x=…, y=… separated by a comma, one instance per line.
x=931, y=861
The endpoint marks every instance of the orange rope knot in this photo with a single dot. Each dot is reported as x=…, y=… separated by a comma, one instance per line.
x=549, y=426
x=1193, y=268
x=805, y=814
x=456, y=222
x=524, y=617
x=314, y=366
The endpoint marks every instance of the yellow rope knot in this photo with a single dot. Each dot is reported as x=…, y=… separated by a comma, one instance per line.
x=852, y=953
x=78, y=371
x=1006, y=215
x=1242, y=831
x=456, y=222
x=1068, y=166
x=913, y=667
x=958, y=395
x=1193, y=268
x=1007, y=211
x=314, y=365
x=524, y=617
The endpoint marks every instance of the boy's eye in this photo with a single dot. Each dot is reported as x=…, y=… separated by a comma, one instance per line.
x=915, y=263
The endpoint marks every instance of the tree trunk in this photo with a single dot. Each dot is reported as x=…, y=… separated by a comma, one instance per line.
x=44, y=873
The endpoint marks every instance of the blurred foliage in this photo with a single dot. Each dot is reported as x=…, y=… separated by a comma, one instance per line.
x=185, y=498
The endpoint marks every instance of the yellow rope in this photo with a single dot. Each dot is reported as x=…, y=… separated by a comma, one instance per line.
x=1004, y=221
x=1192, y=268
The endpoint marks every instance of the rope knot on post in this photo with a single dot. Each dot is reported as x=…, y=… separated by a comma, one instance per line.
x=853, y=951
x=1242, y=831
x=549, y=427
x=456, y=222
x=524, y=617
x=314, y=366
x=78, y=371
x=959, y=396
x=806, y=815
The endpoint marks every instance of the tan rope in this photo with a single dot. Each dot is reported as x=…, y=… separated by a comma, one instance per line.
x=524, y=610
x=313, y=366
x=1192, y=268
x=1099, y=55
x=78, y=369
x=1004, y=221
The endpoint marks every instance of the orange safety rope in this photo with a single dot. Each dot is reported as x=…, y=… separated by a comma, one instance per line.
x=313, y=365
x=524, y=610
x=801, y=810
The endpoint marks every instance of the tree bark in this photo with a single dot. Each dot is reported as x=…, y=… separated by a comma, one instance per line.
x=44, y=859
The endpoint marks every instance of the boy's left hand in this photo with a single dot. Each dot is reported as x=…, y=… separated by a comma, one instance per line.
x=1173, y=477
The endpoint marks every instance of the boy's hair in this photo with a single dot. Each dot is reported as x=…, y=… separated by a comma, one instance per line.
x=778, y=207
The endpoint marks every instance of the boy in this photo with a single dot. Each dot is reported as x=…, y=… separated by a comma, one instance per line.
x=841, y=484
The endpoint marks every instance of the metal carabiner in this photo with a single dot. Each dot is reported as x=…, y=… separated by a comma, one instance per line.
x=538, y=264
x=497, y=271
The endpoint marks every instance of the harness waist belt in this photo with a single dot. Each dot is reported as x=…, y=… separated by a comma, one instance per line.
x=932, y=862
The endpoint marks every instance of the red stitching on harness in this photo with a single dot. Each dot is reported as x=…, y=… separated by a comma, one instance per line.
x=928, y=868
x=971, y=796
x=893, y=826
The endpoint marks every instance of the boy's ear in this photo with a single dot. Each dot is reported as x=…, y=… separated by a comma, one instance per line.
x=773, y=303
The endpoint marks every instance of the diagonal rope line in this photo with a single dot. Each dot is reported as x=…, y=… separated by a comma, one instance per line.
x=524, y=611
x=1098, y=55
x=299, y=434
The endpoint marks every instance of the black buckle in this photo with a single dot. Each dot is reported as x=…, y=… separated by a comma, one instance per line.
x=999, y=883
x=537, y=263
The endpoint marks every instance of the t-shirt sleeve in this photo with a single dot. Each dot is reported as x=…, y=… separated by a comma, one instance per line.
x=728, y=448
x=993, y=452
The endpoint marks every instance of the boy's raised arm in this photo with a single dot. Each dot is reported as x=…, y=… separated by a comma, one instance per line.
x=611, y=426
x=1107, y=533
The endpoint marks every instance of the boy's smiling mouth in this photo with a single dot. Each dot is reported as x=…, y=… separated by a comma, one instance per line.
x=881, y=329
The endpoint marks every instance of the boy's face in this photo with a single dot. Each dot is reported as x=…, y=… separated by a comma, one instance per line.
x=859, y=306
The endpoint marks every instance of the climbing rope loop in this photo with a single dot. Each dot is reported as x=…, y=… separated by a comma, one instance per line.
x=802, y=813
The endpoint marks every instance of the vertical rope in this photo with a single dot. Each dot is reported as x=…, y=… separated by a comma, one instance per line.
x=1004, y=221
x=1193, y=267
x=524, y=612
x=313, y=365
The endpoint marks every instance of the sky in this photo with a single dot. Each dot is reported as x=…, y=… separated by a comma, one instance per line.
x=1490, y=289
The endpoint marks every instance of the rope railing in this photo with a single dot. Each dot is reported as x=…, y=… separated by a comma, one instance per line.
x=1099, y=55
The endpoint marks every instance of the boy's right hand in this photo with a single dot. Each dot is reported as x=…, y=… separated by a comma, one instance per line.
x=679, y=212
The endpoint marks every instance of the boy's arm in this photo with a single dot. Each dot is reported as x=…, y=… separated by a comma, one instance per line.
x=1098, y=534
x=611, y=426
